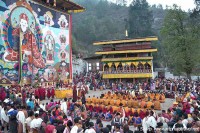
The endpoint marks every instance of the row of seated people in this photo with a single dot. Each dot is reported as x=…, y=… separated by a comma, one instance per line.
x=118, y=96
x=130, y=104
x=109, y=112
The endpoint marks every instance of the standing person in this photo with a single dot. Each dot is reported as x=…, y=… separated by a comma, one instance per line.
x=4, y=117
x=37, y=101
x=52, y=92
x=43, y=93
x=21, y=121
x=12, y=118
x=40, y=92
x=37, y=92
x=64, y=106
x=24, y=97
x=75, y=93
x=83, y=99
x=48, y=93
x=144, y=122
x=31, y=104
x=76, y=125
x=3, y=94
x=151, y=121
x=36, y=123
x=91, y=129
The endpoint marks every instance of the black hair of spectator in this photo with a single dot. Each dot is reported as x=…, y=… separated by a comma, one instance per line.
x=76, y=120
x=36, y=115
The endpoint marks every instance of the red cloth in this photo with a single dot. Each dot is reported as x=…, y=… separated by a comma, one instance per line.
x=68, y=105
x=111, y=110
x=142, y=114
x=104, y=110
x=49, y=128
x=91, y=108
x=75, y=97
x=127, y=114
x=48, y=93
x=37, y=92
x=24, y=97
x=3, y=95
x=43, y=92
x=57, y=112
x=52, y=93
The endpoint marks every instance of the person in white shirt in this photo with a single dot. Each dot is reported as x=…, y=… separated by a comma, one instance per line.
x=91, y=129
x=133, y=93
x=76, y=125
x=160, y=118
x=28, y=120
x=179, y=126
x=185, y=120
x=151, y=122
x=36, y=122
x=21, y=118
x=42, y=106
x=4, y=118
x=64, y=106
x=144, y=123
x=140, y=91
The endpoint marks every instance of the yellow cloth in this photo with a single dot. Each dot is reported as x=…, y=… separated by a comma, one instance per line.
x=60, y=94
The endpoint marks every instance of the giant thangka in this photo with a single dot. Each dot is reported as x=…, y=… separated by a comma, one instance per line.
x=34, y=43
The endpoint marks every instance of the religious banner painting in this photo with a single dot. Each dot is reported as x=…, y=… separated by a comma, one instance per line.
x=34, y=42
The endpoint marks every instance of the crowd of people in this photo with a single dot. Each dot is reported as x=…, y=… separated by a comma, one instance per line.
x=25, y=110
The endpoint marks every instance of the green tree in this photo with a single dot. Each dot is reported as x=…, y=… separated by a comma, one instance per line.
x=140, y=19
x=180, y=40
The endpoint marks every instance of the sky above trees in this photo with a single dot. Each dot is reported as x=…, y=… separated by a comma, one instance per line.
x=184, y=4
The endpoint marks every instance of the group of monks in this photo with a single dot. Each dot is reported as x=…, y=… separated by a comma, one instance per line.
x=43, y=92
x=110, y=103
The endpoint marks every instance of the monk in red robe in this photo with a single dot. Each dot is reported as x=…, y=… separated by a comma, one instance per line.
x=37, y=92
x=48, y=93
x=75, y=94
x=52, y=92
x=24, y=97
x=105, y=110
x=2, y=94
x=142, y=114
x=91, y=108
x=44, y=93
x=40, y=93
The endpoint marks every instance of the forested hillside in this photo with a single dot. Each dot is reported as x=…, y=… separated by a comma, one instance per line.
x=103, y=20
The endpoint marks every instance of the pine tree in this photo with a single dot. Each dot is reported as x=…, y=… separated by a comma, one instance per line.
x=140, y=19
